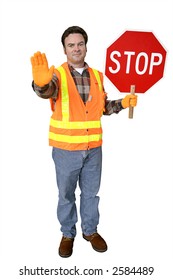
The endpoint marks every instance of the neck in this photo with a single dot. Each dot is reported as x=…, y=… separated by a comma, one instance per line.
x=76, y=65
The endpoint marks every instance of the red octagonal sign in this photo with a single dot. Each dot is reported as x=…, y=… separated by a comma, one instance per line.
x=135, y=58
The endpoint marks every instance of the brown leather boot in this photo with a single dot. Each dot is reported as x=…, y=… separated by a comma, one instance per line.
x=97, y=242
x=66, y=247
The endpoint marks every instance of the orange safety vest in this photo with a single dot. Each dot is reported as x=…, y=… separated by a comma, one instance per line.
x=74, y=125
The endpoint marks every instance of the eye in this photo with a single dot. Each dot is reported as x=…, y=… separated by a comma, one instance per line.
x=81, y=44
x=70, y=45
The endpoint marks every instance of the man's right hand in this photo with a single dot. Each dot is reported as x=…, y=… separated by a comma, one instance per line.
x=42, y=75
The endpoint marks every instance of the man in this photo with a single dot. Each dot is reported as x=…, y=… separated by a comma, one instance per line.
x=78, y=101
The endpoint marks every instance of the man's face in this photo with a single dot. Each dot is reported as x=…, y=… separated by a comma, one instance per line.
x=75, y=49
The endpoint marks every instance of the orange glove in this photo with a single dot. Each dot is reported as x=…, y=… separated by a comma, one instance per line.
x=41, y=73
x=129, y=100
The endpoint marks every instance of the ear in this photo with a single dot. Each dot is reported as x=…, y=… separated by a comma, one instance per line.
x=64, y=51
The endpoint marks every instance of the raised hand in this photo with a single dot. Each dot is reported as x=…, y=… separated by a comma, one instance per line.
x=41, y=72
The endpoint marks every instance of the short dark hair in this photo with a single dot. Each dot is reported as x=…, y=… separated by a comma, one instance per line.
x=73, y=30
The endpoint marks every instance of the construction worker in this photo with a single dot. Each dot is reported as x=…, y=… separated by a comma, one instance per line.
x=78, y=100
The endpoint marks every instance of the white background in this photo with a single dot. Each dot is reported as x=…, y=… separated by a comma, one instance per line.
x=137, y=179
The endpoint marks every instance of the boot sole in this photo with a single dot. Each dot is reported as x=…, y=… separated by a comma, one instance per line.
x=65, y=256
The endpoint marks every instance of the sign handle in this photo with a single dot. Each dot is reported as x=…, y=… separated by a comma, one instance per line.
x=132, y=91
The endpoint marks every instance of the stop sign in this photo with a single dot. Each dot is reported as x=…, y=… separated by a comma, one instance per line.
x=135, y=58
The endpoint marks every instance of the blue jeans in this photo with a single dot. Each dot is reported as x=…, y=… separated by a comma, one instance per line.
x=84, y=168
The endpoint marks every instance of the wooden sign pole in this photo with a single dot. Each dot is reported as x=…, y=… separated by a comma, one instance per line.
x=132, y=91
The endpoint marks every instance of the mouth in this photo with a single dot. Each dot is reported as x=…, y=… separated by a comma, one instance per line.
x=77, y=54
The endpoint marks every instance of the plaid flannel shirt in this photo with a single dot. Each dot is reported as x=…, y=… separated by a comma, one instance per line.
x=82, y=82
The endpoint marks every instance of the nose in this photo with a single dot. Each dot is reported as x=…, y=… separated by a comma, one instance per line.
x=76, y=48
